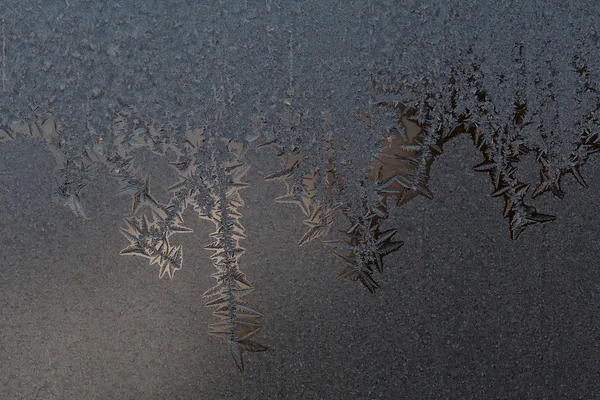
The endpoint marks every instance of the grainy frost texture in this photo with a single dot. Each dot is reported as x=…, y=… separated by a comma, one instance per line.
x=437, y=157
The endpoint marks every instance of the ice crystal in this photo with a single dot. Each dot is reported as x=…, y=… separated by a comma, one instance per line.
x=402, y=166
x=72, y=199
x=139, y=188
x=239, y=319
x=366, y=246
x=150, y=240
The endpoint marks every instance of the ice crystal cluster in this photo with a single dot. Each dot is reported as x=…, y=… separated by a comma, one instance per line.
x=206, y=183
x=526, y=94
x=425, y=115
x=211, y=186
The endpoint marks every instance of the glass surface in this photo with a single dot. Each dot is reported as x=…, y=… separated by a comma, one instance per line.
x=181, y=183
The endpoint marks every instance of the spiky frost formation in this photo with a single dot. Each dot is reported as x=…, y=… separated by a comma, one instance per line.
x=75, y=164
x=365, y=246
x=239, y=320
x=150, y=240
x=211, y=187
x=507, y=114
x=314, y=184
x=407, y=151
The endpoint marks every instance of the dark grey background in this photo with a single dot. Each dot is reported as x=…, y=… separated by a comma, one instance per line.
x=463, y=311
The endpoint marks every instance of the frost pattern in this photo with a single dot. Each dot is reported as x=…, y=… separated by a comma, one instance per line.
x=212, y=188
x=508, y=125
x=507, y=115
x=206, y=183
x=319, y=194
